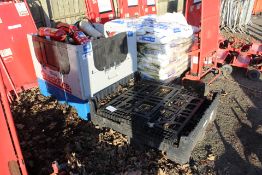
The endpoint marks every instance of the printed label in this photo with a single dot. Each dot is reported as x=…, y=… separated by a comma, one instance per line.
x=111, y=16
x=6, y=52
x=14, y=26
x=81, y=34
x=151, y=2
x=130, y=34
x=98, y=19
x=195, y=60
x=132, y=2
x=149, y=39
x=87, y=48
x=118, y=21
x=104, y=5
x=176, y=30
x=8, y=59
x=153, y=9
x=21, y=9
x=111, y=108
x=57, y=81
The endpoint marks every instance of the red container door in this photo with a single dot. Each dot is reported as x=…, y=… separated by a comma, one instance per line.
x=129, y=8
x=15, y=23
x=100, y=11
x=148, y=7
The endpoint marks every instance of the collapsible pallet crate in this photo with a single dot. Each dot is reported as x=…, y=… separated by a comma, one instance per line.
x=167, y=117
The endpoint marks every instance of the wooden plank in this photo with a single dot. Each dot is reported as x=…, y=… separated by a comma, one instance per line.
x=61, y=10
x=76, y=6
x=69, y=11
x=66, y=11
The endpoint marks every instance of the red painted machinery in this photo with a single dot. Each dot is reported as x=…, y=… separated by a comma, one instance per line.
x=100, y=11
x=257, y=7
x=237, y=53
x=205, y=15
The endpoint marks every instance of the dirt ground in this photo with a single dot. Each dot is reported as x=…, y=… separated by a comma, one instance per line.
x=51, y=132
x=235, y=138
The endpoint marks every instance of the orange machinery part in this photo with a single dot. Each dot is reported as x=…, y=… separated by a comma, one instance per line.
x=257, y=7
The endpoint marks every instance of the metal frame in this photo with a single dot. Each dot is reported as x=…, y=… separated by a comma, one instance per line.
x=242, y=58
x=207, y=43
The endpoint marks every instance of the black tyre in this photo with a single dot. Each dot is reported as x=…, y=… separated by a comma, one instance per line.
x=253, y=74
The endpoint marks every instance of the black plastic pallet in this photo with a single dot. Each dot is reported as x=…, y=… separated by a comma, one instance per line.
x=159, y=116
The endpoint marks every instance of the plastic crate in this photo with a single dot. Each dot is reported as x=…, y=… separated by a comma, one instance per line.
x=172, y=120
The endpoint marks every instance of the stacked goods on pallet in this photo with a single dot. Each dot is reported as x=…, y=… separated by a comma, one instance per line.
x=163, y=62
x=162, y=52
x=163, y=42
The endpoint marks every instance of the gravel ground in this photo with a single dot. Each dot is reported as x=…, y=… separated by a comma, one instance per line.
x=51, y=132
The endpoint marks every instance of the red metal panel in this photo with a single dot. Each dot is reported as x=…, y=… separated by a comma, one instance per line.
x=15, y=23
x=7, y=152
x=257, y=7
x=209, y=35
x=148, y=7
x=129, y=9
x=11, y=159
x=208, y=20
x=100, y=10
x=193, y=12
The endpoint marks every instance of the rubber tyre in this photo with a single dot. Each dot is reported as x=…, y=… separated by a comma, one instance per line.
x=227, y=69
x=253, y=75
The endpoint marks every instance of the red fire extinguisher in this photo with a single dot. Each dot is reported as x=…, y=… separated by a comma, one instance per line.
x=55, y=34
x=78, y=36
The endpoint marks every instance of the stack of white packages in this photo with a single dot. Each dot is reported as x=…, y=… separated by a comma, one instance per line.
x=163, y=42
